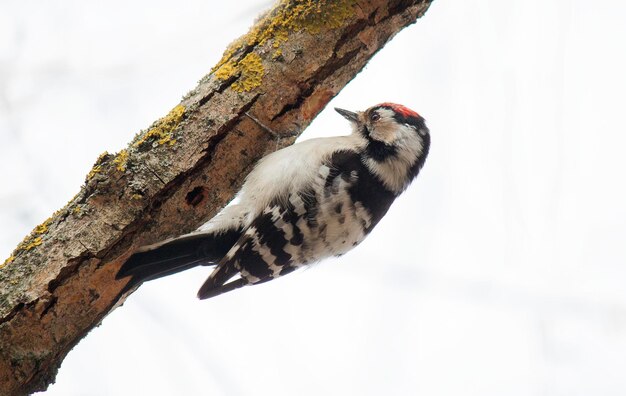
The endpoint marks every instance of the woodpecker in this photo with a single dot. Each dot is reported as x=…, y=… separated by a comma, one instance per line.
x=301, y=204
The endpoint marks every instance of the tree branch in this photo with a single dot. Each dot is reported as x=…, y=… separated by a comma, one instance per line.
x=59, y=282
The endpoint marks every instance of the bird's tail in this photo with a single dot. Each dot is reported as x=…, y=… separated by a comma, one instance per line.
x=176, y=255
x=218, y=283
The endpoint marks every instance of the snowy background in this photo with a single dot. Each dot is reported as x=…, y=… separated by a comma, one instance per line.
x=501, y=271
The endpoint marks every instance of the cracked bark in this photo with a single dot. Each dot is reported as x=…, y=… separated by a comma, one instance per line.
x=59, y=283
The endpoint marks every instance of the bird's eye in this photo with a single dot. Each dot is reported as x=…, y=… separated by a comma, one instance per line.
x=374, y=116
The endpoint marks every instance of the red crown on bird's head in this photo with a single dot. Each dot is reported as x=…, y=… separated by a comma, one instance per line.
x=400, y=109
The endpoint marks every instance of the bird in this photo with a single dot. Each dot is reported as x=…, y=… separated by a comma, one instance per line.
x=299, y=205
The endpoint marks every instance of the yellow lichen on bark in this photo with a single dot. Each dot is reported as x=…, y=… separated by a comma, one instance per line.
x=121, y=160
x=31, y=241
x=226, y=71
x=94, y=171
x=97, y=168
x=43, y=227
x=7, y=261
x=312, y=16
x=162, y=132
x=250, y=70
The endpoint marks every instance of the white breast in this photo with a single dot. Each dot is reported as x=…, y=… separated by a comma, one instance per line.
x=291, y=169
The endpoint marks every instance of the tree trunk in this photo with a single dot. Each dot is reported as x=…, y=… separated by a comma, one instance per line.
x=59, y=282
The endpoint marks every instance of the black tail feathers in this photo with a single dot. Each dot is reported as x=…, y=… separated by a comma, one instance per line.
x=177, y=255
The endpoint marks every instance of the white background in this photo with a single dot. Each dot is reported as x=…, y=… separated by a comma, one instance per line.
x=501, y=271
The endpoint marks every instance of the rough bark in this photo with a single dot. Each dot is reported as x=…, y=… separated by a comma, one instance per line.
x=59, y=282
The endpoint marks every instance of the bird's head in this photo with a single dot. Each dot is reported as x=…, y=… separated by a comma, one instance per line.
x=389, y=127
x=396, y=138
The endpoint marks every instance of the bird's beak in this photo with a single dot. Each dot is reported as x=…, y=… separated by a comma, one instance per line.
x=349, y=115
